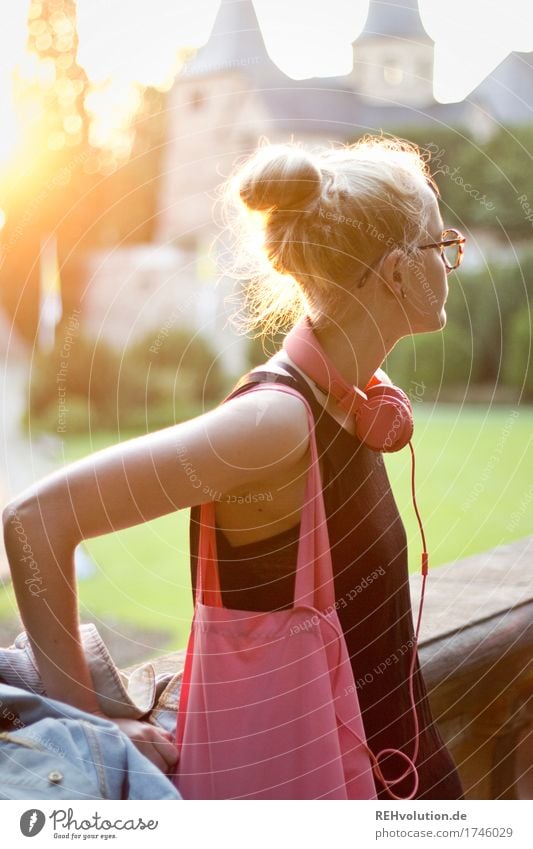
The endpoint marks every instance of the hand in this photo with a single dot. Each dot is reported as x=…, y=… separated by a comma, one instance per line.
x=154, y=743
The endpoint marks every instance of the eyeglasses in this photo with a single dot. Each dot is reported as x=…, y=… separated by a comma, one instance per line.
x=451, y=248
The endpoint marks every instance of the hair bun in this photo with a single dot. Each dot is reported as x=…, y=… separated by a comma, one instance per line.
x=280, y=177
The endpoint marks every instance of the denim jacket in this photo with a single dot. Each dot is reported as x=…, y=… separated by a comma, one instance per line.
x=51, y=750
x=148, y=691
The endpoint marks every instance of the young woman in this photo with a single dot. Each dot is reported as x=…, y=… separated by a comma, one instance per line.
x=354, y=238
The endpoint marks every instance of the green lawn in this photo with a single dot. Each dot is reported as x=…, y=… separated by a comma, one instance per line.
x=474, y=491
x=474, y=481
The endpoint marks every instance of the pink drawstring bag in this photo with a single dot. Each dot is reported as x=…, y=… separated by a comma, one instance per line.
x=268, y=706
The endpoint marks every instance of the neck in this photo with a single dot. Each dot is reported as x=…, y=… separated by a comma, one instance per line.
x=357, y=349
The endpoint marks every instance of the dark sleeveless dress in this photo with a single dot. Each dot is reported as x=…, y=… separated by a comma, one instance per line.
x=369, y=556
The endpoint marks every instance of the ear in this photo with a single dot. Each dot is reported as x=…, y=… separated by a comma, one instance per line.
x=392, y=272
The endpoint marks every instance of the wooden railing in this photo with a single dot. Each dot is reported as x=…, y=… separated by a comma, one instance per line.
x=476, y=655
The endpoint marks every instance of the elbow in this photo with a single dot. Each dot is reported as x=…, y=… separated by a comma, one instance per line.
x=15, y=519
x=32, y=547
x=23, y=516
x=15, y=535
x=11, y=515
x=37, y=519
x=23, y=503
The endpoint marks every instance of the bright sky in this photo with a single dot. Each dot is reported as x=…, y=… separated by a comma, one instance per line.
x=311, y=38
x=471, y=38
x=126, y=44
x=140, y=38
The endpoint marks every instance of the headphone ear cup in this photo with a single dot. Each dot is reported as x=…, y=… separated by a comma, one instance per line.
x=385, y=421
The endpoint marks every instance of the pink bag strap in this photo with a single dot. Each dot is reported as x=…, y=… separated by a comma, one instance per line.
x=314, y=584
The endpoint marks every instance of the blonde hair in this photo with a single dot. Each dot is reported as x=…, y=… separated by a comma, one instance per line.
x=306, y=225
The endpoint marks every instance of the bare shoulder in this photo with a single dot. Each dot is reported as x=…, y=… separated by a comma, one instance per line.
x=242, y=438
x=270, y=414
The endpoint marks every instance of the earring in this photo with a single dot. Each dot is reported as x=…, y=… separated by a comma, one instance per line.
x=396, y=276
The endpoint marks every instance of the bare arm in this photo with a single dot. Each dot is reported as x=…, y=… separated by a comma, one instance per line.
x=241, y=441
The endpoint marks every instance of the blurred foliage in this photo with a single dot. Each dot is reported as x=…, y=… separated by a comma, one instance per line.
x=261, y=348
x=86, y=194
x=47, y=175
x=48, y=172
x=139, y=388
x=59, y=181
x=487, y=338
x=480, y=183
x=124, y=197
x=517, y=365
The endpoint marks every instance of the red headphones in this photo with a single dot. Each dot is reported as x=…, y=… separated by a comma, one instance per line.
x=384, y=422
x=383, y=414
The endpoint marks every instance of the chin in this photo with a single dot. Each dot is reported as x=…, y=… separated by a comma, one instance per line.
x=437, y=323
x=440, y=321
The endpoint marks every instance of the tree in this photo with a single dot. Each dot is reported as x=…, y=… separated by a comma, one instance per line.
x=61, y=181
x=51, y=170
